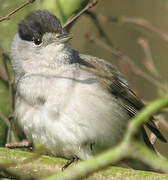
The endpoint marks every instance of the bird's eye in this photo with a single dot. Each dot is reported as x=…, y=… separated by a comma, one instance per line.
x=37, y=41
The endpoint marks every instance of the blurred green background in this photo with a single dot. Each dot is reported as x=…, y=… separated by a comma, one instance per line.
x=124, y=36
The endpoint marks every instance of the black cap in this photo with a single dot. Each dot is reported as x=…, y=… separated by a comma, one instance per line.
x=37, y=23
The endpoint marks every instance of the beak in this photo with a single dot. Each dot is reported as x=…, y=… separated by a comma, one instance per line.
x=63, y=38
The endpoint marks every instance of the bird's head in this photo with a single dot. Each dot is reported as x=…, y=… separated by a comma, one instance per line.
x=38, y=43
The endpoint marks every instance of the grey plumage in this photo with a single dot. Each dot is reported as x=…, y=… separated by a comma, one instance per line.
x=76, y=105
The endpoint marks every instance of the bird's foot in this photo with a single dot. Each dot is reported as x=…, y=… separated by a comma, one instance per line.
x=70, y=161
x=24, y=144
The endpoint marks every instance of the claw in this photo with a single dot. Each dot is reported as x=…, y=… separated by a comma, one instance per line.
x=70, y=161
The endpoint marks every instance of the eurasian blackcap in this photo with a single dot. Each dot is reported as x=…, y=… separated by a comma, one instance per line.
x=75, y=105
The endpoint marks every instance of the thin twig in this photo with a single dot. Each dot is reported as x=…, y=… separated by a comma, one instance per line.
x=164, y=122
x=38, y=4
x=88, y=6
x=11, y=94
x=5, y=119
x=4, y=50
x=5, y=67
x=138, y=21
x=11, y=88
x=3, y=77
x=17, y=9
x=135, y=69
x=148, y=61
x=146, y=24
x=114, y=51
x=95, y=20
x=10, y=135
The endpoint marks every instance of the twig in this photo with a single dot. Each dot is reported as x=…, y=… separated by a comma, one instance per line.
x=5, y=119
x=139, y=21
x=17, y=9
x=38, y=4
x=88, y=6
x=11, y=93
x=148, y=61
x=3, y=50
x=95, y=20
x=5, y=67
x=11, y=88
x=164, y=122
x=8, y=123
x=135, y=69
x=146, y=24
x=114, y=51
x=3, y=77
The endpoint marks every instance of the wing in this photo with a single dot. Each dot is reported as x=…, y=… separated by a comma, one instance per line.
x=115, y=82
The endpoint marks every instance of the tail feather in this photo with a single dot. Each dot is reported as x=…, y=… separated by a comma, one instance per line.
x=146, y=139
x=152, y=127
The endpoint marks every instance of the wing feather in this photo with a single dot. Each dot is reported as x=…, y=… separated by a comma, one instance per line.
x=114, y=81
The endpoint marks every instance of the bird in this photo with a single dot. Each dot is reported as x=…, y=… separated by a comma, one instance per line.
x=75, y=105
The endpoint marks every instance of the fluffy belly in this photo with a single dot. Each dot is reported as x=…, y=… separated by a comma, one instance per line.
x=83, y=126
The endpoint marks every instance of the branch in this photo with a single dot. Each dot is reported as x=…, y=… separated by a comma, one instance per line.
x=145, y=155
x=27, y=165
x=17, y=9
x=73, y=18
x=12, y=164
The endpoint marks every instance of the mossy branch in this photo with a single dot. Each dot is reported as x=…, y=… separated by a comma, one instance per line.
x=25, y=165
